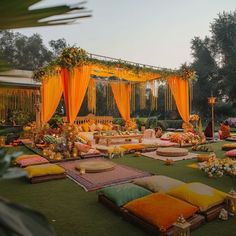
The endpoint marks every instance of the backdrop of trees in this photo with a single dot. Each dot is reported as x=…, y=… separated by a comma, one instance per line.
x=214, y=60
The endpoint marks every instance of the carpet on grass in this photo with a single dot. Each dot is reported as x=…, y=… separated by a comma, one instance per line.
x=94, y=181
x=153, y=155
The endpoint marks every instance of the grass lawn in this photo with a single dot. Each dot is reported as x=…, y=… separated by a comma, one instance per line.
x=72, y=211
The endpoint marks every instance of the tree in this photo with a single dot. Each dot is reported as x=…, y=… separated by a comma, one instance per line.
x=215, y=63
x=22, y=52
x=224, y=40
x=206, y=70
x=57, y=46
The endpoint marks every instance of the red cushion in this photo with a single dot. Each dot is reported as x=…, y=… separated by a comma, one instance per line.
x=231, y=153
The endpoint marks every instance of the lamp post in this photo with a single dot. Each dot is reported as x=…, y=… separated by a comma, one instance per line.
x=212, y=102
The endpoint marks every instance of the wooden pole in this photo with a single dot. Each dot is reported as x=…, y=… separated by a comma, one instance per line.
x=213, y=121
x=38, y=109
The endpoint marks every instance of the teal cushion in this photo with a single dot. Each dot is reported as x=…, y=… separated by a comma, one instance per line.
x=124, y=193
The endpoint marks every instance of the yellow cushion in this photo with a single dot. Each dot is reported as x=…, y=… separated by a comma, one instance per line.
x=85, y=127
x=45, y=169
x=160, y=209
x=158, y=183
x=99, y=127
x=199, y=194
x=105, y=128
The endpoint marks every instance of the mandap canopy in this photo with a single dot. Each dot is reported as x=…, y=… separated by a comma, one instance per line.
x=75, y=72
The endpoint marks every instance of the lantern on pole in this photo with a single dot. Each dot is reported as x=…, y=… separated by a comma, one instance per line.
x=212, y=102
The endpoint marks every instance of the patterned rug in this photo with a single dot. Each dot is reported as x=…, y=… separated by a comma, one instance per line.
x=163, y=158
x=94, y=181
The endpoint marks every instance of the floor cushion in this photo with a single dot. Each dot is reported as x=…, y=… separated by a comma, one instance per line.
x=158, y=183
x=129, y=147
x=95, y=166
x=198, y=194
x=85, y=127
x=172, y=152
x=124, y=193
x=228, y=146
x=160, y=209
x=231, y=153
x=22, y=157
x=45, y=169
x=81, y=147
x=34, y=160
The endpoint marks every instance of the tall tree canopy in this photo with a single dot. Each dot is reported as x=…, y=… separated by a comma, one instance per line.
x=215, y=63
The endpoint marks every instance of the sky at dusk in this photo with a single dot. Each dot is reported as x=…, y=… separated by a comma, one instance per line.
x=154, y=32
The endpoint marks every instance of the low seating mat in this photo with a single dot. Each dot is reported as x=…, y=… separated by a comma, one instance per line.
x=198, y=194
x=158, y=183
x=44, y=169
x=124, y=193
x=172, y=152
x=94, y=166
x=153, y=155
x=94, y=181
x=160, y=209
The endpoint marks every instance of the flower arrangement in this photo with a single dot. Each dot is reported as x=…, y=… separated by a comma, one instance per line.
x=218, y=167
x=75, y=56
x=194, y=117
x=130, y=125
x=184, y=138
x=72, y=57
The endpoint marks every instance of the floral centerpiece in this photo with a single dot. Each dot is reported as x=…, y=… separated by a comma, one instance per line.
x=130, y=125
x=218, y=167
x=58, y=143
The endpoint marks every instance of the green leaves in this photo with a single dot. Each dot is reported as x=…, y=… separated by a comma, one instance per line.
x=16, y=14
x=5, y=162
x=20, y=220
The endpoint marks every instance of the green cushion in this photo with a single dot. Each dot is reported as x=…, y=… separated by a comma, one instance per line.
x=124, y=193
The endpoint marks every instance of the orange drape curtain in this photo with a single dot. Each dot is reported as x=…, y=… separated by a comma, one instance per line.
x=122, y=95
x=51, y=92
x=75, y=84
x=180, y=90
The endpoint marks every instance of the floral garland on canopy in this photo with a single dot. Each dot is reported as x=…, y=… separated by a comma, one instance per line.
x=74, y=57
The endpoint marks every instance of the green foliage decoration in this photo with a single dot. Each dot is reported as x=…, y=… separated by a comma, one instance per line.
x=74, y=57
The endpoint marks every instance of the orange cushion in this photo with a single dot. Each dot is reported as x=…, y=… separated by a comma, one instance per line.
x=85, y=127
x=133, y=146
x=160, y=209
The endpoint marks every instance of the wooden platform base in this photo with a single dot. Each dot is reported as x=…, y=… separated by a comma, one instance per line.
x=40, y=179
x=195, y=221
x=213, y=213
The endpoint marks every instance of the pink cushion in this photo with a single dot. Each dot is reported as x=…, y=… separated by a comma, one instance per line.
x=149, y=133
x=82, y=147
x=32, y=161
x=231, y=153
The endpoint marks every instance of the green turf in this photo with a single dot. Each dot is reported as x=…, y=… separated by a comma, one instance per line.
x=72, y=211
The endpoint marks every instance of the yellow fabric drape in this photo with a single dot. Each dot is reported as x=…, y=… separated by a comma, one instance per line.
x=75, y=85
x=180, y=90
x=91, y=94
x=51, y=91
x=126, y=74
x=122, y=95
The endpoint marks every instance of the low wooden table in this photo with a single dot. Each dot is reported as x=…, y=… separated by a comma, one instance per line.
x=109, y=138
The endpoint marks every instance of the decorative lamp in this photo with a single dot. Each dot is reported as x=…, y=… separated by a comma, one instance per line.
x=231, y=202
x=181, y=227
x=212, y=102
